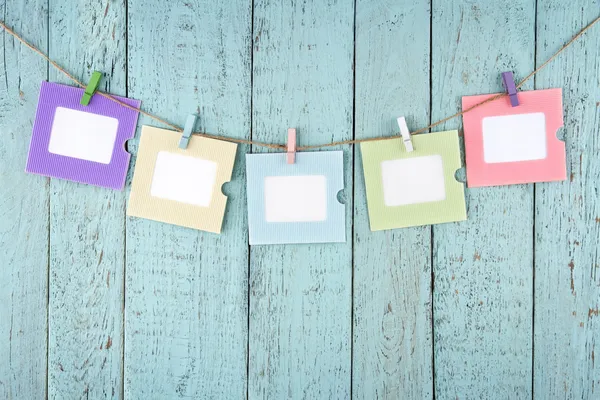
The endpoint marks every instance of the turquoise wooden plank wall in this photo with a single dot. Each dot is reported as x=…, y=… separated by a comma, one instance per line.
x=94, y=304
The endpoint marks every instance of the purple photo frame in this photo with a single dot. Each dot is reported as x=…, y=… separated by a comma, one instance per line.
x=40, y=161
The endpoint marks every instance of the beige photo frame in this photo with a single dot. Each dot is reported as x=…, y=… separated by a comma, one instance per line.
x=143, y=205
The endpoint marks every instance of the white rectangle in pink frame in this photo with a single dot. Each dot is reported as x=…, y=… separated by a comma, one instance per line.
x=510, y=138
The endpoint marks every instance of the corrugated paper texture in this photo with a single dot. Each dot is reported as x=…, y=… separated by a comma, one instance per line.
x=327, y=163
x=551, y=168
x=142, y=204
x=452, y=208
x=40, y=161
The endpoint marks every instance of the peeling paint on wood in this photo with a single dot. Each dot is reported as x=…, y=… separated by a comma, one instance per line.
x=482, y=352
x=87, y=225
x=301, y=338
x=392, y=279
x=565, y=232
x=23, y=210
x=205, y=316
x=186, y=330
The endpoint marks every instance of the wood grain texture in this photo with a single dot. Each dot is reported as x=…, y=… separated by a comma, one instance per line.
x=186, y=303
x=23, y=211
x=482, y=298
x=300, y=295
x=514, y=307
x=567, y=214
x=392, y=269
x=87, y=224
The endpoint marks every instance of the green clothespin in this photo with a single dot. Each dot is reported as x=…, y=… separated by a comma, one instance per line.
x=91, y=88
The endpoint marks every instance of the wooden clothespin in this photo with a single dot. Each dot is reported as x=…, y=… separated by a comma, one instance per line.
x=291, y=146
x=188, y=129
x=405, y=134
x=91, y=88
x=508, y=82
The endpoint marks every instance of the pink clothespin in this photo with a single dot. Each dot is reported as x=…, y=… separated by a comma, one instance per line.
x=291, y=146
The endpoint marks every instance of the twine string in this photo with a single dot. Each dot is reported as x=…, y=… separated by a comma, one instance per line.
x=283, y=147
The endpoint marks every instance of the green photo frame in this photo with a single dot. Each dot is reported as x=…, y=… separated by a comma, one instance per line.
x=446, y=203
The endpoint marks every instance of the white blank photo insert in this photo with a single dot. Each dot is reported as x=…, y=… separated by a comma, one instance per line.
x=413, y=180
x=83, y=135
x=295, y=198
x=511, y=138
x=184, y=179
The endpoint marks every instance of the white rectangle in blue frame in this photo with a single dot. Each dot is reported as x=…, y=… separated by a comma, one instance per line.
x=295, y=203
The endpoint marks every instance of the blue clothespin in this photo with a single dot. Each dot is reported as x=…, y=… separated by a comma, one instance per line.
x=187, y=131
x=509, y=84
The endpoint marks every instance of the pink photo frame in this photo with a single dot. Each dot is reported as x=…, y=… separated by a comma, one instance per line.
x=551, y=168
